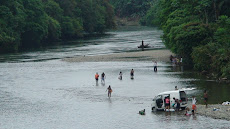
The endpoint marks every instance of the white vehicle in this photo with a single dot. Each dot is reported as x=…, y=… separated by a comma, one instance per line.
x=159, y=103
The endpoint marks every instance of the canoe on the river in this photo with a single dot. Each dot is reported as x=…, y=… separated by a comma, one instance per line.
x=145, y=46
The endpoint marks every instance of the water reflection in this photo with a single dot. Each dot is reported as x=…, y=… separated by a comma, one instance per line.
x=96, y=83
x=121, y=40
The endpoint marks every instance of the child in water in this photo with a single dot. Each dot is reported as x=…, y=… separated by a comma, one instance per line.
x=188, y=112
x=142, y=112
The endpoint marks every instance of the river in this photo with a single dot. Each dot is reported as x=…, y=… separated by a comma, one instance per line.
x=40, y=91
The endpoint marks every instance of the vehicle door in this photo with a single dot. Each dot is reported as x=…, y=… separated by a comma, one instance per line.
x=183, y=97
x=159, y=101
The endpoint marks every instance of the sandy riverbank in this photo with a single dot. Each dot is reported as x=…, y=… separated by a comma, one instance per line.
x=222, y=112
x=158, y=55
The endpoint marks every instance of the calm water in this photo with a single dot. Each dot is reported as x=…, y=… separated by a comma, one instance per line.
x=123, y=40
x=40, y=91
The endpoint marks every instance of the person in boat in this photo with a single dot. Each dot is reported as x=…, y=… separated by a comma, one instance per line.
x=142, y=45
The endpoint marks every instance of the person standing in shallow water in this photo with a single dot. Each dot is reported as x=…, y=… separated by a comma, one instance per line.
x=167, y=103
x=109, y=91
x=103, y=77
x=155, y=66
x=206, y=98
x=176, y=88
x=120, y=76
x=132, y=74
x=96, y=77
x=193, y=105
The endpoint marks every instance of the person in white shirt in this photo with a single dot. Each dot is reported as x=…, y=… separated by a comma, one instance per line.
x=181, y=60
x=193, y=104
x=120, y=76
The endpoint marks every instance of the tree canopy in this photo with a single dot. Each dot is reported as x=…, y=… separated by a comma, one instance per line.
x=131, y=8
x=34, y=23
x=198, y=30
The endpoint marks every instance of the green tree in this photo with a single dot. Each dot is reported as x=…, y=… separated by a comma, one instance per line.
x=36, y=28
x=28, y=24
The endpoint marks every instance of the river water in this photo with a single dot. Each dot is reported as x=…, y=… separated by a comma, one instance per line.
x=40, y=91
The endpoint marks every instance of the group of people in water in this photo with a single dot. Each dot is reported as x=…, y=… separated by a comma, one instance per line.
x=109, y=89
x=176, y=60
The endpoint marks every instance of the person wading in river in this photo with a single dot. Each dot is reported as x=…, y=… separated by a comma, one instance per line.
x=155, y=66
x=132, y=73
x=176, y=88
x=120, y=76
x=206, y=98
x=193, y=105
x=96, y=77
x=109, y=91
x=103, y=77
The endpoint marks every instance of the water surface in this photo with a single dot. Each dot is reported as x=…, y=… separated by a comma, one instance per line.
x=39, y=90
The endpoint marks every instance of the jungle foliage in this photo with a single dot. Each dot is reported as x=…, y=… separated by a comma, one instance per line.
x=197, y=30
x=35, y=23
x=131, y=8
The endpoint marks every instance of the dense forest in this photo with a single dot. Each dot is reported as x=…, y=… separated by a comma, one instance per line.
x=33, y=23
x=197, y=30
x=131, y=8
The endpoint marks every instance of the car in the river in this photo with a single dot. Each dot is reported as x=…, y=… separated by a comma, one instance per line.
x=158, y=102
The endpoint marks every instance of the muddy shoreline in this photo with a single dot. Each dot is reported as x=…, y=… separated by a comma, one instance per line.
x=216, y=111
x=156, y=55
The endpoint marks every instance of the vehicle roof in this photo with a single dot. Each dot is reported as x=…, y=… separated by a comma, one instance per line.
x=170, y=92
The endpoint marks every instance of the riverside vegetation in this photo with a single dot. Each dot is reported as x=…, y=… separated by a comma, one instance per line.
x=34, y=23
x=197, y=30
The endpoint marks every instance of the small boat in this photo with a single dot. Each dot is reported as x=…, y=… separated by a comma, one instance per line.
x=145, y=46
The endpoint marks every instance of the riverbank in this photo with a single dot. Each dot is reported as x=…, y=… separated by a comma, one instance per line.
x=156, y=55
x=127, y=21
x=216, y=111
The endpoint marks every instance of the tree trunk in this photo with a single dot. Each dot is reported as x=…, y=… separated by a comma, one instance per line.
x=206, y=17
x=215, y=10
